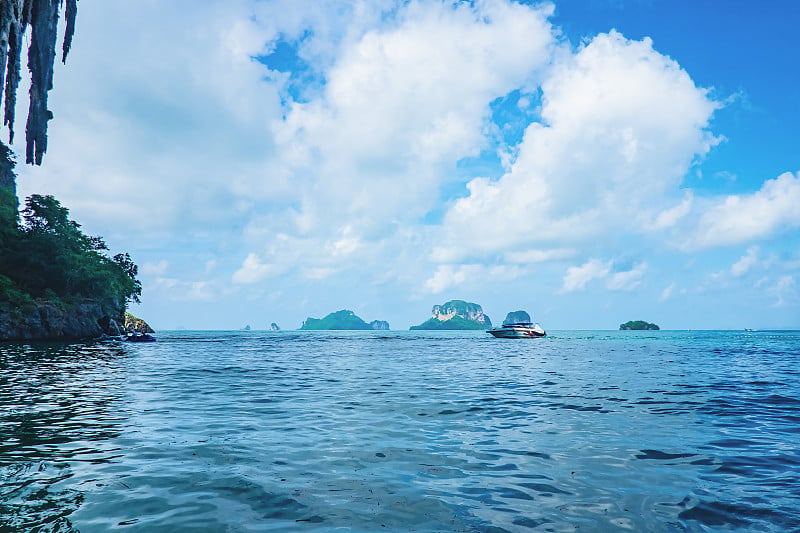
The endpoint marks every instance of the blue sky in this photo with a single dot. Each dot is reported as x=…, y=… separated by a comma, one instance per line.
x=590, y=161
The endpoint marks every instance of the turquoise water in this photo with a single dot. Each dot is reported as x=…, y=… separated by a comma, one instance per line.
x=403, y=431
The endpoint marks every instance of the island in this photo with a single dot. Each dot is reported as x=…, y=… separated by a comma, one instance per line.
x=638, y=325
x=517, y=317
x=456, y=315
x=343, y=320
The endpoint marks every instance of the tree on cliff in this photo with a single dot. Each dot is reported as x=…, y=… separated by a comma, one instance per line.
x=49, y=256
x=16, y=16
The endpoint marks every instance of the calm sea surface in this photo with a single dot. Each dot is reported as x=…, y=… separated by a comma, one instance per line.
x=403, y=431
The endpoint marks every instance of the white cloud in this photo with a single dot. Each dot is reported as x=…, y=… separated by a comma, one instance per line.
x=743, y=218
x=577, y=277
x=671, y=216
x=621, y=126
x=627, y=280
x=746, y=262
x=252, y=270
x=159, y=135
x=783, y=291
x=403, y=101
x=539, y=256
x=186, y=291
x=449, y=277
x=154, y=269
x=402, y=104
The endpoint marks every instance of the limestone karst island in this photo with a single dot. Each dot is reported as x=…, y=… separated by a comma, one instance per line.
x=343, y=320
x=456, y=315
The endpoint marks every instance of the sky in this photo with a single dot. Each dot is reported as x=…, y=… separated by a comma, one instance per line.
x=589, y=161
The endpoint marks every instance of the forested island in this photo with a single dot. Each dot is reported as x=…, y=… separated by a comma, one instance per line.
x=456, y=315
x=638, y=325
x=55, y=281
x=343, y=320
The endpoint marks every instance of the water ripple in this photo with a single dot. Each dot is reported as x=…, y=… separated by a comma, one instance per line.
x=402, y=431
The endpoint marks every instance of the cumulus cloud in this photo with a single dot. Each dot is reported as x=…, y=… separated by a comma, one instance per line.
x=252, y=270
x=449, y=277
x=401, y=105
x=621, y=125
x=745, y=217
x=176, y=122
x=627, y=280
x=577, y=277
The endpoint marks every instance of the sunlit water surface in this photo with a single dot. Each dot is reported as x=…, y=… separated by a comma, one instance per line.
x=403, y=431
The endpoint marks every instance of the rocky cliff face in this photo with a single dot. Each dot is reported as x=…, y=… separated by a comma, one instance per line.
x=456, y=315
x=460, y=308
x=381, y=325
x=49, y=321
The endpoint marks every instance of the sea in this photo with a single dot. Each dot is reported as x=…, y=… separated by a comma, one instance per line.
x=403, y=431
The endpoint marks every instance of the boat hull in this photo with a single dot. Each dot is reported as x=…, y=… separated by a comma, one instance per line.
x=518, y=332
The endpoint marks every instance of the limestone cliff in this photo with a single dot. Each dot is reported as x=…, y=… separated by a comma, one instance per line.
x=133, y=323
x=460, y=308
x=456, y=314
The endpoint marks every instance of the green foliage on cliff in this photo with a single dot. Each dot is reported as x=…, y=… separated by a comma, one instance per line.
x=340, y=320
x=47, y=256
x=455, y=323
x=640, y=325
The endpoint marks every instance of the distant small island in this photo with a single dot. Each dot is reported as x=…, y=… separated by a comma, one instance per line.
x=639, y=325
x=343, y=320
x=456, y=315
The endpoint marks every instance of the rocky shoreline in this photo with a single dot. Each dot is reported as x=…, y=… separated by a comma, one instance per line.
x=55, y=321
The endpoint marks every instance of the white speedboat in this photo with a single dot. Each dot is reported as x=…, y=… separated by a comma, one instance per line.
x=524, y=330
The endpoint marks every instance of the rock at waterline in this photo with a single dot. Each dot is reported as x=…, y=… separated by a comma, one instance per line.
x=133, y=323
